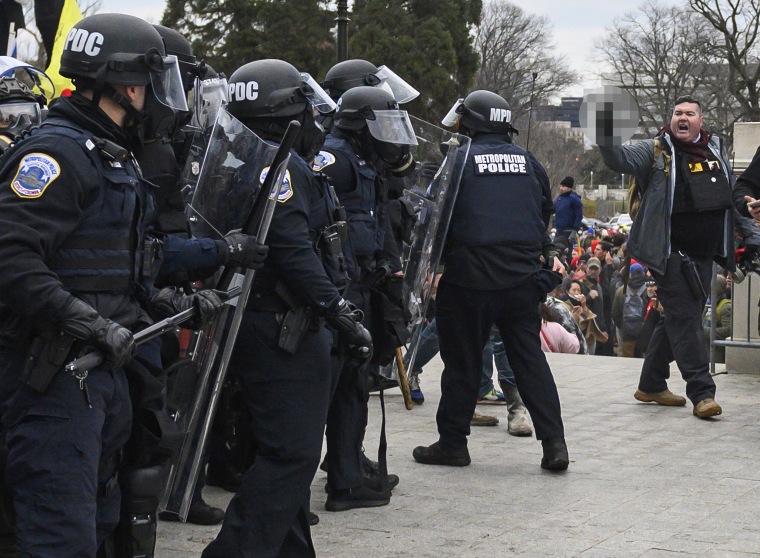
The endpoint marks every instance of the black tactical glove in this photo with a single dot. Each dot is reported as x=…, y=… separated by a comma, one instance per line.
x=83, y=322
x=428, y=169
x=169, y=301
x=243, y=250
x=347, y=321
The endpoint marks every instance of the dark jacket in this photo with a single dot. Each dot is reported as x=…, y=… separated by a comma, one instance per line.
x=301, y=213
x=498, y=227
x=748, y=184
x=568, y=212
x=88, y=197
x=649, y=241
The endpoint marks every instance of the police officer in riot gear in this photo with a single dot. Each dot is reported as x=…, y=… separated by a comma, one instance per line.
x=162, y=159
x=492, y=276
x=80, y=262
x=356, y=72
x=144, y=468
x=24, y=92
x=369, y=133
x=282, y=357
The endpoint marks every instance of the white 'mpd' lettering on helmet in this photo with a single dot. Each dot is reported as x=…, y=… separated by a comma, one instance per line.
x=243, y=91
x=500, y=115
x=81, y=40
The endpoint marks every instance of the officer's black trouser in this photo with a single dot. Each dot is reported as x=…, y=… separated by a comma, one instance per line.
x=62, y=458
x=464, y=317
x=288, y=396
x=347, y=419
x=679, y=335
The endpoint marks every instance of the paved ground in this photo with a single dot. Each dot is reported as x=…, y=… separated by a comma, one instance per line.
x=643, y=481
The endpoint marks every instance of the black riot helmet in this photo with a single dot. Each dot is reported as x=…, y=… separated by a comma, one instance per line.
x=372, y=117
x=481, y=111
x=13, y=90
x=266, y=94
x=33, y=78
x=104, y=50
x=357, y=72
x=19, y=107
x=274, y=88
x=349, y=74
x=377, y=109
x=190, y=68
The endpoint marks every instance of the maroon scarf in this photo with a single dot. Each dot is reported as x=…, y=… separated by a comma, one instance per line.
x=697, y=151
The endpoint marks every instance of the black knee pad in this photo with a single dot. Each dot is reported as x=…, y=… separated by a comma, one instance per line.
x=135, y=537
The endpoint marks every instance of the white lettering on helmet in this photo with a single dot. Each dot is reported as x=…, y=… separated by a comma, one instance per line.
x=500, y=115
x=243, y=91
x=81, y=40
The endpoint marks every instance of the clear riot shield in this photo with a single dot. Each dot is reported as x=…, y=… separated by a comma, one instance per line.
x=228, y=194
x=223, y=181
x=434, y=200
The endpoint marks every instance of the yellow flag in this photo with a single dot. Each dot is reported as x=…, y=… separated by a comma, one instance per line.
x=70, y=15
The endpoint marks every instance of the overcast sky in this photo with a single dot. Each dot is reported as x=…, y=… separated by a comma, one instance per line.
x=576, y=24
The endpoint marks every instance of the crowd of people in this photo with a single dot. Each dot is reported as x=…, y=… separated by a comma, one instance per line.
x=97, y=246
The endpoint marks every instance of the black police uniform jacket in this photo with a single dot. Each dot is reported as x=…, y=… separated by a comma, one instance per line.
x=73, y=220
x=356, y=180
x=297, y=254
x=500, y=216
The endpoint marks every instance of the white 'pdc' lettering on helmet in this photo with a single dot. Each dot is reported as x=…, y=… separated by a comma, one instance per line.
x=243, y=91
x=81, y=40
x=500, y=115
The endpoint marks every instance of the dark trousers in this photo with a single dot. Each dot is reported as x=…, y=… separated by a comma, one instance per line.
x=679, y=335
x=347, y=418
x=63, y=457
x=288, y=396
x=464, y=317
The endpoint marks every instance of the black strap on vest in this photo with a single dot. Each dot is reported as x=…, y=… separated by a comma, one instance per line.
x=102, y=152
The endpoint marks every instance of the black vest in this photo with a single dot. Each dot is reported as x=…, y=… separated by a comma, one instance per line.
x=109, y=250
x=366, y=234
x=499, y=199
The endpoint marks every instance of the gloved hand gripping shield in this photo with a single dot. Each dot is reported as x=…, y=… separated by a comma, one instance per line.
x=235, y=189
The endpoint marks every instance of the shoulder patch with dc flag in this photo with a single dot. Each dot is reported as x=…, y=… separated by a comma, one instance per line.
x=36, y=171
x=322, y=160
x=286, y=189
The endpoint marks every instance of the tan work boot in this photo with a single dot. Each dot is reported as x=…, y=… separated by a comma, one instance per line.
x=667, y=398
x=707, y=408
x=479, y=419
x=518, y=418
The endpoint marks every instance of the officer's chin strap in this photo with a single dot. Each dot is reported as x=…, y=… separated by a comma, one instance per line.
x=102, y=88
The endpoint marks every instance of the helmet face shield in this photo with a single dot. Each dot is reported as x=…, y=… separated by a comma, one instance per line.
x=209, y=96
x=401, y=90
x=392, y=126
x=450, y=119
x=317, y=97
x=19, y=116
x=37, y=80
x=166, y=82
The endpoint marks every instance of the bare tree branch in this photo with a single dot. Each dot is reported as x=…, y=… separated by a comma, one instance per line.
x=659, y=53
x=737, y=23
x=512, y=45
